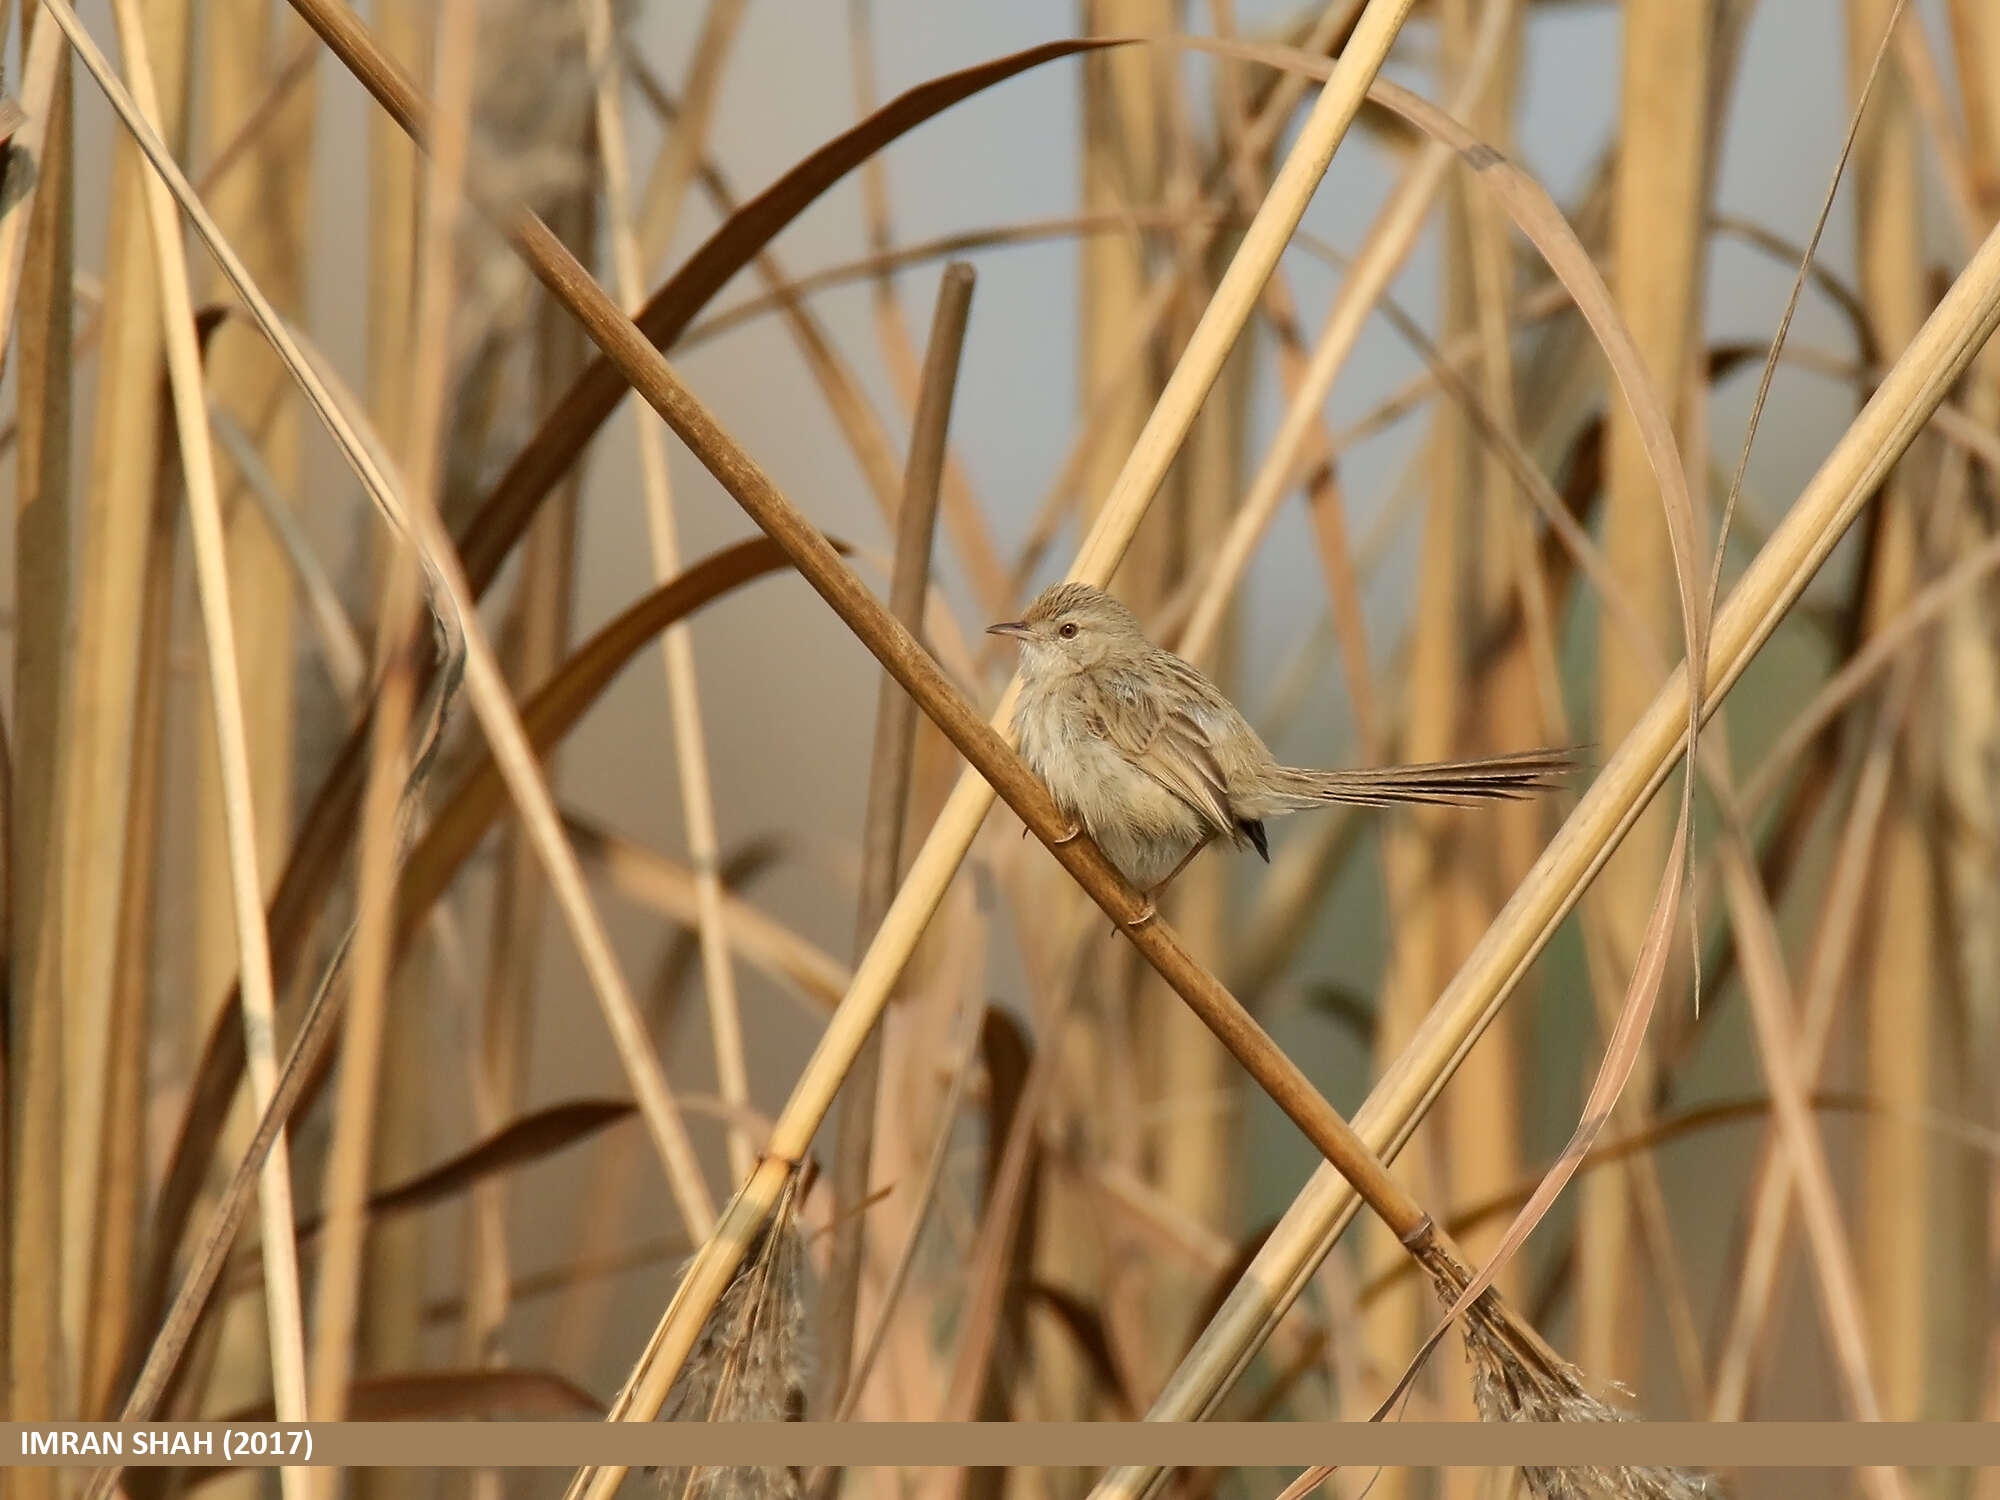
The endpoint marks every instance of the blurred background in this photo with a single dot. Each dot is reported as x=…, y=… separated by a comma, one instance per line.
x=1378, y=615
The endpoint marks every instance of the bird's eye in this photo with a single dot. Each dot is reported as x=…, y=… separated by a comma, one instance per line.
x=1068, y=632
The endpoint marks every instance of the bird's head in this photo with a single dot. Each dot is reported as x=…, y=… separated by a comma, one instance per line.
x=1072, y=627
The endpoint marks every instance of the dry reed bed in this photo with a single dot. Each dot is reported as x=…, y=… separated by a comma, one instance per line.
x=1561, y=512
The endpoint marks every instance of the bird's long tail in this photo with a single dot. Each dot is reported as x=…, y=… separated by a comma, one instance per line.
x=1446, y=782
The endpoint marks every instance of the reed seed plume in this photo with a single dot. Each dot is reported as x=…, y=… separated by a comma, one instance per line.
x=751, y=1363
x=1517, y=1378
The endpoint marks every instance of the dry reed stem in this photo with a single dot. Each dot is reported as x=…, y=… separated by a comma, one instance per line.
x=398, y=643
x=883, y=820
x=1656, y=247
x=285, y=1311
x=121, y=1166
x=697, y=794
x=124, y=476
x=1920, y=378
x=952, y=834
x=1891, y=274
x=39, y=255
x=398, y=1254
x=1762, y=961
x=263, y=208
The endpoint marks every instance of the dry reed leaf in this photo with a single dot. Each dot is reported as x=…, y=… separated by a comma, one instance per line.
x=520, y=1143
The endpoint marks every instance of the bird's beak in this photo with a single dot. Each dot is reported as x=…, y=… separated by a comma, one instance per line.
x=1016, y=628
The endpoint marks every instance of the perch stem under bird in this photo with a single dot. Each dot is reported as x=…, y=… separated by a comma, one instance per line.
x=1139, y=748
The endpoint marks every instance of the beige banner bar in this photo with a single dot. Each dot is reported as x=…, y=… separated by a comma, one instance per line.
x=458, y=1445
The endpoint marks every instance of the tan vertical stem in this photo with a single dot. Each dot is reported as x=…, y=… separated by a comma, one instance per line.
x=1419, y=850
x=677, y=644
x=124, y=460
x=882, y=832
x=41, y=568
x=1656, y=252
x=1976, y=33
x=1485, y=1119
x=261, y=207
x=1900, y=999
x=1198, y=1134
x=390, y=1332
x=1481, y=1129
x=121, y=1174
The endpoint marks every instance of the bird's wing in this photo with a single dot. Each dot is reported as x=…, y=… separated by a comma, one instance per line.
x=1161, y=736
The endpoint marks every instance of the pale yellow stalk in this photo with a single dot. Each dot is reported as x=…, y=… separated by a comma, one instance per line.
x=1656, y=245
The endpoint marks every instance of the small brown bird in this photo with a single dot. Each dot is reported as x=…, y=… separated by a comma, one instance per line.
x=1141, y=750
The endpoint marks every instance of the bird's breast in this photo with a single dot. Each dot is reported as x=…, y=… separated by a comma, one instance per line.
x=1142, y=828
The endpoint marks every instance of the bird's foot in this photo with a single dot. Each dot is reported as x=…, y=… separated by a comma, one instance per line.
x=1146, y=914
x=1071, y=834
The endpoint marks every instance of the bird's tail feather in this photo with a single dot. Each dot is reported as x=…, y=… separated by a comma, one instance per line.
x=1439, y=783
